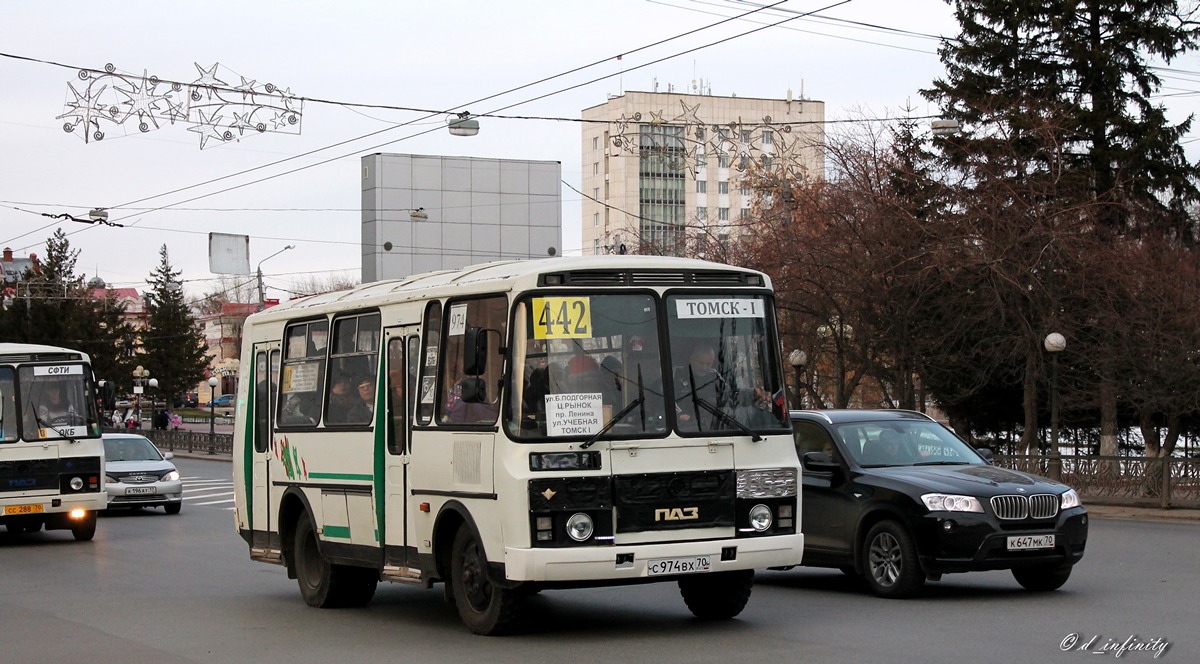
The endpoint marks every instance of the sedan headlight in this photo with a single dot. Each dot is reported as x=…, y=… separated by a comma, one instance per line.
x=170, y=476
x=1070, y=499
x=942, y=502
x=109, y=479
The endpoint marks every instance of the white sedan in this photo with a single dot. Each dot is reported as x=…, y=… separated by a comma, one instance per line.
x=137, y=474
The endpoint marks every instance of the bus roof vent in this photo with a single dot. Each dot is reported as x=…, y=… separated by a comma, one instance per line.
x=649, y=278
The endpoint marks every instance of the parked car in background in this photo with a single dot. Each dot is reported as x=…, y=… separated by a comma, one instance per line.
x=123, y=403
x=189, y=400
x=897, y=498
x=137, y=474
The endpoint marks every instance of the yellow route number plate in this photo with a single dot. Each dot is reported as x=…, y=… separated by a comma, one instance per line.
x=562, y=317
x=24, y=509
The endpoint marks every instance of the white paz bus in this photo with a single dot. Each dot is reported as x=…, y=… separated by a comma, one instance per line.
x=520, y=426
x=51, y=454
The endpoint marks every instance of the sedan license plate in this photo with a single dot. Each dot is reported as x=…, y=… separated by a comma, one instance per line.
x=25, y=509
x=140, y=491
x=690, y=565
x=1029, y=542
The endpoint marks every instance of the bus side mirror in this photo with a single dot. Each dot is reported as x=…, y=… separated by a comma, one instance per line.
x=473, y=390
x=475, y=351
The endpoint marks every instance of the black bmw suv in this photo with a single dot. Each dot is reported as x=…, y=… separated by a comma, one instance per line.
x=897, y=498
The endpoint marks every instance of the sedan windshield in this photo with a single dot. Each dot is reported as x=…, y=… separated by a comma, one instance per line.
x=904, y=443
x=130, y=448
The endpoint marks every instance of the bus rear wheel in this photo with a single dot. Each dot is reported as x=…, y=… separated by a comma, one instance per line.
x=85, y=528
x=484, y=607
x=717, y=595
x=323, y=584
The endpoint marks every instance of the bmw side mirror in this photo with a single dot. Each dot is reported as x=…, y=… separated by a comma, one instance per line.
x=819, y=462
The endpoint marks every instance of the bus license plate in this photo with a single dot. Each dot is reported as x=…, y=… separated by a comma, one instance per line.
x=140, y=491
x=1028, y=542
x=690, y=565
x=25, y=509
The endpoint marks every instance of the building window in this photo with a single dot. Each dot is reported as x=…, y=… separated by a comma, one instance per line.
x=766, y=162
x=744, y=214
x=701, y=213
x=723, y=214
x=723, y=187
x=723, y=161
x=699, y=133
x=596, y=168
x=768, y=137
x=596, y=247
x=596, y=219
x=596, y=193
x=745, y=190
x=701, y=159
x=701, y=186
x=745, y=135
x=744, y=162
x=595, y=142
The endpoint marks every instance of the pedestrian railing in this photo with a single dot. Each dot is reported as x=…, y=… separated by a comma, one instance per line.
x=185, y=441
x=1149, y=481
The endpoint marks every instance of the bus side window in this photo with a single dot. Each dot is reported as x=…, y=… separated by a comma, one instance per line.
x=472, y=391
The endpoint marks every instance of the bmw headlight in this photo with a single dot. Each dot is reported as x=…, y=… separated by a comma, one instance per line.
x=1070, y=499
x=171, y=476
x=944, y=502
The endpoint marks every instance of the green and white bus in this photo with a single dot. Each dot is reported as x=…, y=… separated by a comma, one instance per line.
x=519, y=426
x=51, y=455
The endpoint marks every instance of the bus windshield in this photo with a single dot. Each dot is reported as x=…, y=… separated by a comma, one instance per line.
x=724, y=364
x=587, y=364
x=55, y=402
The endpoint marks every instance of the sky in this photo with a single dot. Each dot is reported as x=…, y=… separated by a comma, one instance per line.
x=298, y=184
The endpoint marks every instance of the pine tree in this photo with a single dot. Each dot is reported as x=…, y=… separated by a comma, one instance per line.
x=173, y=345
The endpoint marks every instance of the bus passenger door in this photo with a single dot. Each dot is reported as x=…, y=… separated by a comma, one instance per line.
x=266, y=385
x=402, y=351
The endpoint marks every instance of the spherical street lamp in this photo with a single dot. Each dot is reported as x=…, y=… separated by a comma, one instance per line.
x=212, y=414
x=798, y=359
x=141, y=376
x=1054, y=343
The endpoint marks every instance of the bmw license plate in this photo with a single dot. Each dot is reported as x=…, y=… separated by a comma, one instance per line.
x=1030, y=542
x=140, y=491
x=691, y=565
x=25, y=509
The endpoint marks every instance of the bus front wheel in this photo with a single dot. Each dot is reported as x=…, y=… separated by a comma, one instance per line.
x=717, y=595
x=323, y=584
x=484, y=607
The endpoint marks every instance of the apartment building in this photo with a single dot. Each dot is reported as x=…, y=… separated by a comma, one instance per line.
x=656, y=163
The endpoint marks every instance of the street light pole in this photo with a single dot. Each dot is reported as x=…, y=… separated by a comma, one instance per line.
x=798, y=358
x=212, y=414
x=141, y=377
x=1054, y=343
x=258, y=273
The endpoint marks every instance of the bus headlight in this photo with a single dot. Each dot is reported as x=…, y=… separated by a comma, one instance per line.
x=760, y=517
x=76, y=483
x=580, y=527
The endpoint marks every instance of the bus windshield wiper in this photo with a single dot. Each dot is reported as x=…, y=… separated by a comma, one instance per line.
x=698, y=403
x=639, y=401
x=47, y=425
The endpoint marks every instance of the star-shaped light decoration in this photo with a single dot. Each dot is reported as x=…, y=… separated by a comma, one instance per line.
x=246, y=88
x=175, y=111
x=209, y=127
x=142, y=101
x=83, y=108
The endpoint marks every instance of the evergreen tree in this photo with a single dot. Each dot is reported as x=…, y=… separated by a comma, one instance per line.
x=173, y=345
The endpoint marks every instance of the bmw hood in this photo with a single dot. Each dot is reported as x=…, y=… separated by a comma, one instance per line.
x=973, y=480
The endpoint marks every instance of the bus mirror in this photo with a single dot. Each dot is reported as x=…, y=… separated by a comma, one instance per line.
x=473, y=390
x=475, y=351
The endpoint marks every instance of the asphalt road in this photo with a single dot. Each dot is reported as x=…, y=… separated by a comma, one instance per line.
x=159, y=588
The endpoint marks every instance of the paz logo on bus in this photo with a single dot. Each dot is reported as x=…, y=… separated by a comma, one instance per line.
x=677, y=514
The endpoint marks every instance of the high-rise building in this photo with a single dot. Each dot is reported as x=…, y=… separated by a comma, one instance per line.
x=656, y=163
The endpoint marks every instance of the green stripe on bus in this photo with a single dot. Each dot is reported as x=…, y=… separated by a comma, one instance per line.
x=337, y=531
x=340, y=476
